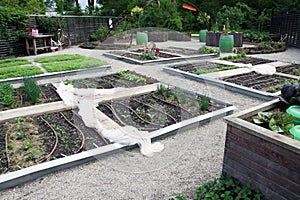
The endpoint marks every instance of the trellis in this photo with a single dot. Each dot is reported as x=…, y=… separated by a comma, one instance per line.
x=286, y=26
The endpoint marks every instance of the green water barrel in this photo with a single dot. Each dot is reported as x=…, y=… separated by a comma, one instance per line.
x=141, y=38
x=202, y=35
x=226, y=43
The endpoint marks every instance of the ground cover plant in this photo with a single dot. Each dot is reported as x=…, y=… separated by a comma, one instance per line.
x=67, y=62
x=17, y=67
x=226, y=188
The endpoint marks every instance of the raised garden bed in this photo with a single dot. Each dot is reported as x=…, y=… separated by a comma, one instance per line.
x=35, y=139
x=170, y=55
x=159, y=109
x=261, y=49
x=265, y=159
x=30, y=127
x=201, y=67
x=249, y=83
x=213, y=38
x=250, y=60
x=97, y=45
x=293, y=69
x=47, y=95
x=258, y=81
x=124, y=79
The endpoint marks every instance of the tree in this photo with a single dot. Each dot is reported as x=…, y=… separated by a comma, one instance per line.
x=28, y=6
x=165, y=16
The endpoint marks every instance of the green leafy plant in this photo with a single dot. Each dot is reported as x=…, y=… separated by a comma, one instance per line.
x=208, y=50
x=68, y=82
x=148, y=56
x=227, y=188
x=296, y=71
x=31, y=89
x=277, y=122
x=31, y=156
x=132, y=77
x=203, y=103
x=27, y=144
x=164, y=91
x=241, y=55
x=7, y=94
x=178, y=197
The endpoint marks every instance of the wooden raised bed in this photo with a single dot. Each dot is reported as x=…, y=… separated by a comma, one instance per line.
x=212, y=39
x=260, y=157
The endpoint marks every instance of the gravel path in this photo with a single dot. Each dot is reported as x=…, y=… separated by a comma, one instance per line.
x=190, y=158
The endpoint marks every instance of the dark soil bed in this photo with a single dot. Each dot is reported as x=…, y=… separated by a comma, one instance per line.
x=260, y=50
x=33, y=140
x=114, y=80
x=289, y=69
x=258, y=81
x=136, y=56
x=48, y=94
x=250, y=60
x=205, y=67
x=176, y=50
x=97, y=45
x=153, y=111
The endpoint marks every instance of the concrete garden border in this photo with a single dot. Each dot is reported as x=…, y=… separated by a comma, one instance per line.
x=260, y=157
x=12, y=179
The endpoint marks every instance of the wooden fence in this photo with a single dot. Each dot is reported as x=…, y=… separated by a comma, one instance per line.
x=77, y=28
x=287, y=25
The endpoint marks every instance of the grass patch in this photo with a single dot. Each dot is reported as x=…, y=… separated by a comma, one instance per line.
x=18, y=71
x=67, y=62
x=204, y=71
x=11, y=62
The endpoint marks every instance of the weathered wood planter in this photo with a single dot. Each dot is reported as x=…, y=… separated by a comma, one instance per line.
x=212, y=39
x=178, y=36
x=158, y=36
x=262, y=158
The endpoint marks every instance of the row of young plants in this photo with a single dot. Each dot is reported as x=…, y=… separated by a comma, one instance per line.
x=224, y=188
x=30, y=88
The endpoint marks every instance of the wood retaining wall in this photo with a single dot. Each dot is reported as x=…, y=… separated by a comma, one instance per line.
x=265, y=159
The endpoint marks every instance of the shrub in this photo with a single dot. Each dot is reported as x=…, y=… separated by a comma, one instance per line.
x=6, y=94
x=31, y=89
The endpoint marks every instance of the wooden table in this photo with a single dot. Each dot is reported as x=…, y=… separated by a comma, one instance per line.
x=32, y=45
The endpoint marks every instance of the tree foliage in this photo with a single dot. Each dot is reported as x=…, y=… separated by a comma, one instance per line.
x=27, y=6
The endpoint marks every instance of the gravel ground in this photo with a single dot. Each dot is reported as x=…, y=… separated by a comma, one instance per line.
x=190, y=158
